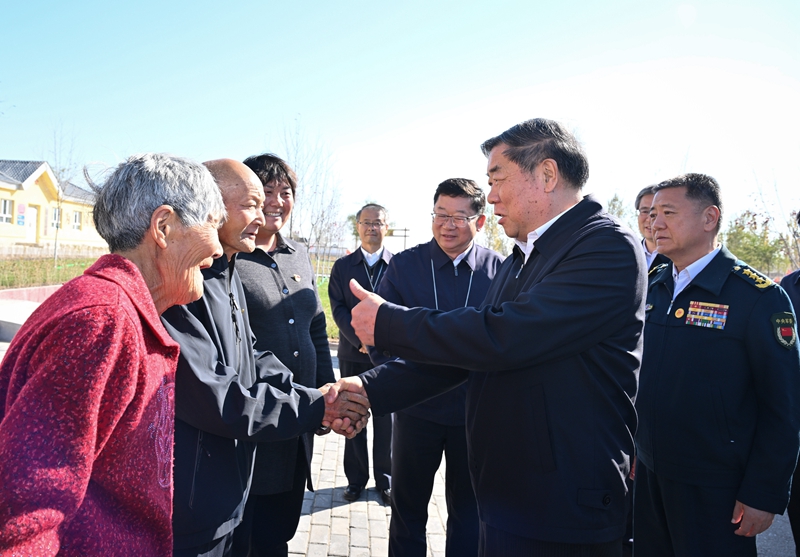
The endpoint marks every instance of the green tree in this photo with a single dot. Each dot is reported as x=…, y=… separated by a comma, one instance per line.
x=495, y=236
x=622, y=210
x=790, y=241
x=352, y=226
x=750, y=238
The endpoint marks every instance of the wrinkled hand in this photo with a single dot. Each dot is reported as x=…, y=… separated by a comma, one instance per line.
x=363, y=349
x=362, y=316
x=751, y=521
x=349, y=385
x=346, y=411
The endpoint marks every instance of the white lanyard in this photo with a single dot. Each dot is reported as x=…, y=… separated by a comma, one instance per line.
x=373, y=284
x=436, y=296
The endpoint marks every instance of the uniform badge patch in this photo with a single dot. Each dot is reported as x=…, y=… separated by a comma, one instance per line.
x=703, y=314
x=784, y=327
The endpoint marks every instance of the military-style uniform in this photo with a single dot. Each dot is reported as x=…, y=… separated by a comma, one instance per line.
x=718, y=406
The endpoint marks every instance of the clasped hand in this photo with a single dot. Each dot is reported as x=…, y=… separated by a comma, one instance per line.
x=346, y=406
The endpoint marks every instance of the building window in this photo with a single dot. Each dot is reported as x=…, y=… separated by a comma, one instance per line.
x=77, y=218
x=6, y=211
x=56, y=218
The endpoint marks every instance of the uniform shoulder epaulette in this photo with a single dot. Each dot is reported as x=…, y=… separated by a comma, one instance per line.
x=751, y=276
x=658, y=268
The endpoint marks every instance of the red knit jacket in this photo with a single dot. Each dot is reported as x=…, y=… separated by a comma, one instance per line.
x=86, y=403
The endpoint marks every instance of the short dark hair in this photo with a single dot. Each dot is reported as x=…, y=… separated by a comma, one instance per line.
x=462, y=187
x=379, y=208
x=272, y=169
x=700, y=188
x=533, y=141
x=649, y=190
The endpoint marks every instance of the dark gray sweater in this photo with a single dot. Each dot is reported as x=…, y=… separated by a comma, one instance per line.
x=287, y=318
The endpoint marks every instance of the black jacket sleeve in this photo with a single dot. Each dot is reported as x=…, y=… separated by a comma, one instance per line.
x=389, y=385
x=210, y=395
x=338, y=297
x=572, y=309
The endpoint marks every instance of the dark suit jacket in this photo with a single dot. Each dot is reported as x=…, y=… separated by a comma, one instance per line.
x=342, y=299
x=554, y=353
x=409, y=282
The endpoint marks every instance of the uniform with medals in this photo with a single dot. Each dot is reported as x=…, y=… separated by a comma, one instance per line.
x=718, y=402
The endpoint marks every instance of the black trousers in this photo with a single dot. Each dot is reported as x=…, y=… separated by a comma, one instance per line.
x=221, y=547
x=499, y=543
x=270, y=521
x=417, y=447
x=674, y=519
x=356, y=459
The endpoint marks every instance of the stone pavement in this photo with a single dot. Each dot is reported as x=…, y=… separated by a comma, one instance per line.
x=330, y=525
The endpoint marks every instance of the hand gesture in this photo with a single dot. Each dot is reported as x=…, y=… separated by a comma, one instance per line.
x=346, y=412
x=350, y=386
x=362, y=316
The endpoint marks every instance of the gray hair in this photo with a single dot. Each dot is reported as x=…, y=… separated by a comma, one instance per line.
x=137, y=187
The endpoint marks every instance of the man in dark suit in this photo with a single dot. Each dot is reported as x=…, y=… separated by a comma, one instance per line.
x=553, y=354
x=643, y=203
x=228, y=396
x=719, y=412
x=450, y=271
x=367, y=265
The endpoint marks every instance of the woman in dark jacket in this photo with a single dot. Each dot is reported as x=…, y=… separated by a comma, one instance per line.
x=287, y=318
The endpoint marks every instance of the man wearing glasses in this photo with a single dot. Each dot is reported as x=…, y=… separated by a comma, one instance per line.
x=367, y=265
x=449, y=272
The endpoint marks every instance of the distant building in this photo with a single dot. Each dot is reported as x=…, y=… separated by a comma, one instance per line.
x=36, y=211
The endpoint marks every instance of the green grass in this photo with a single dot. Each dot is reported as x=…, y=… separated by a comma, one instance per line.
x=21, y=273
x=322, y=288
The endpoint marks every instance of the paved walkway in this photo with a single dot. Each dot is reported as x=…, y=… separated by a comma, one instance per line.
x=332, y=526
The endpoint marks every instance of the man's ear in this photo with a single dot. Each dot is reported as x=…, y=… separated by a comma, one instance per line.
x=162, y=222
x=711, y=216
x=549, y=170
x=479, y=222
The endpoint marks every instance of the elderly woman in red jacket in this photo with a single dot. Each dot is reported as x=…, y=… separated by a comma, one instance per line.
x=86, y=387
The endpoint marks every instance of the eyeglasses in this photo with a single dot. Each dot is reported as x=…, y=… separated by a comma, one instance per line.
x=369, y=224
x=458, y=222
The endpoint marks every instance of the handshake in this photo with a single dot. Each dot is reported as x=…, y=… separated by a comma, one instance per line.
x=346, y=407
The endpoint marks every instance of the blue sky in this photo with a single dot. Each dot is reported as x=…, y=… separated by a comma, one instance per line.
x=403, y=93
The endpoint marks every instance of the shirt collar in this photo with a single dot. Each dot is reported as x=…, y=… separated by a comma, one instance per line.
x=280, y=245
x=460, y=257
x=649, y=255
x=441, y=259
x=691, y=271
x=527, y=247
x=371, y=258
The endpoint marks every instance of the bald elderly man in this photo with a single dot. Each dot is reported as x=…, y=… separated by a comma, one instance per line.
x=228, y=396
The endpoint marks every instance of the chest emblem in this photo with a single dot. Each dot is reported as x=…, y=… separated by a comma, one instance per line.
x=703, y=314
x=296, y=278
x=783, y=326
